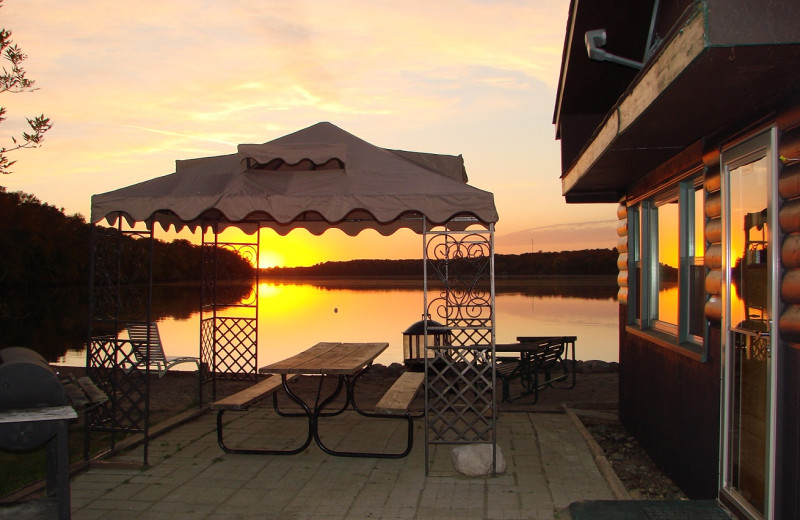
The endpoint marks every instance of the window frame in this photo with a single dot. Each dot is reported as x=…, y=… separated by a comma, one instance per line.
x=643, y=261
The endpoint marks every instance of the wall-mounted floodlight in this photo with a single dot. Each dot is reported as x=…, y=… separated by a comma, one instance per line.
x=596, y=39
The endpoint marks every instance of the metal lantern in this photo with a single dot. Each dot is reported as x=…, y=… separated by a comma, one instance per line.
x=414, y=342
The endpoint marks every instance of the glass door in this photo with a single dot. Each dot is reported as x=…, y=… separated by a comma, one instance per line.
x=750, y=300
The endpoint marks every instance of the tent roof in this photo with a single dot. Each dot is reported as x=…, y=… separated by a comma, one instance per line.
x=316, y=178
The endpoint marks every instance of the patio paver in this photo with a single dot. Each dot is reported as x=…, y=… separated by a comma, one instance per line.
x=549, y=467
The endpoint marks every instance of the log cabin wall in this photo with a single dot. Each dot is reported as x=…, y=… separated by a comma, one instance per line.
x=713, y=235
x=622, y=249
x=788, y=469
x=670, y=401
x=671, y=404
x=678, y=423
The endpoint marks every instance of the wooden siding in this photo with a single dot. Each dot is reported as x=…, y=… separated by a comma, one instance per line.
x=713, y=235
x=670, y=403
x=788, y=470
x=789, y=220
x=788, y=434
x=622, y=261
x=788, y=430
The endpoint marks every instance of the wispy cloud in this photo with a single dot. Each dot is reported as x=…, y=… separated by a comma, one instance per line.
x=132, y=86
x=177, y=134
x=561, y=237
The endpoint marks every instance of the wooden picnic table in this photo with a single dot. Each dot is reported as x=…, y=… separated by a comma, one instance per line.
x=345, y=361
x=329, y=358
x=536, y=353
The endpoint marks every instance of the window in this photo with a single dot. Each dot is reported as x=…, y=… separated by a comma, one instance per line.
x=664, y=229
x=666, y=247
x=751, y=359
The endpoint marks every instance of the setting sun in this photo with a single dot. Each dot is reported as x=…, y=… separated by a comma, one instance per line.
x=270, y=259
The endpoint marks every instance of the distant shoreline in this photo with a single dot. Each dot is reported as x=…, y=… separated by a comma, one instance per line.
x=585, y=286
x=504, y=281
x=598, y=279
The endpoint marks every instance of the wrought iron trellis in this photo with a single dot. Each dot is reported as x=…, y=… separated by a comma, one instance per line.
x=228, y=321
x=460, y=402
x=120, y=291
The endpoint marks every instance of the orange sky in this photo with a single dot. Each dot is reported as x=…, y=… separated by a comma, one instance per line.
x=133, y=86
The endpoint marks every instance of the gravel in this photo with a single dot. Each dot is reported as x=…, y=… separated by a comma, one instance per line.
x=639, y=474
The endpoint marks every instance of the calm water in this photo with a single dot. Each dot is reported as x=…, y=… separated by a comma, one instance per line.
x=294, y=316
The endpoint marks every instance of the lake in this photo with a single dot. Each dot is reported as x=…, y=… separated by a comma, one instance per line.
x=295, y=315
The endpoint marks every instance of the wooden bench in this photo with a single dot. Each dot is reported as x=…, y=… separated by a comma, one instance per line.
x=241, y=401
x=82, y=392
x=397, y=400
x=537, y=355
x=508, y=369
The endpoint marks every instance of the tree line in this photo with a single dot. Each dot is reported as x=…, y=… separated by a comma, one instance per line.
x=41, y=246
x=563, y=263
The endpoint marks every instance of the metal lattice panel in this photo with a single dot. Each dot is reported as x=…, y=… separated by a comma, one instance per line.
x=232, y=346
x=121, y=277
x=460, y=402
x=109, y=368
x=207, y=358
x=121, y=272
x=222, y=284
x=458, y=384
x=229, y=344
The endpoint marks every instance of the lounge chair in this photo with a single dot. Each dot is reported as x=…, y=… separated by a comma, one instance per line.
x=137, y=332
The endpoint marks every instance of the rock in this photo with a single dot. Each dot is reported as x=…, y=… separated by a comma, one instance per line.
x=475, y=460
x=395, y=369
x=595, y=366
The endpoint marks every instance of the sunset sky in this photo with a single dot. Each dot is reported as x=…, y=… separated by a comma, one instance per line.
x=133, y=86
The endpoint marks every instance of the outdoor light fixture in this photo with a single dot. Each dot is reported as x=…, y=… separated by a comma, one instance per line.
x=596, y=39
x=414, y=342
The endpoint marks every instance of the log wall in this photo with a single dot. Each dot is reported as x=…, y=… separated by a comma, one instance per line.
x=789, y=219
x=712, y=258
x=622, y=248
x=788, y=428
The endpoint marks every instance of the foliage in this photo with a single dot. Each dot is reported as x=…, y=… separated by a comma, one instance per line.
x=581, y=262
x=41, y=245
x=564, y=263
x=44, y=247
x=15, y=81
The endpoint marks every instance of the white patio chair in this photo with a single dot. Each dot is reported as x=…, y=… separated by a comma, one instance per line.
x=159, y=362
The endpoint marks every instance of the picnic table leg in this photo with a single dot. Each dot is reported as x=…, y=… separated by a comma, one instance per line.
x=256, y=451
x=569, y=345
x=341, y=383
x=263, y=451
x=528, y=378
x=350, y=384
x=319, y=390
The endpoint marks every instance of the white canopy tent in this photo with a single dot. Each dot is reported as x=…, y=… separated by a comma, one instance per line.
x=317, y=178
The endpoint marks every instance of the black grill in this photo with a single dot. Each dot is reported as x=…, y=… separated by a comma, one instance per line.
x=26, y=383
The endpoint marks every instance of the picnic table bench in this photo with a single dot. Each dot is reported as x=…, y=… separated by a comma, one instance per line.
x=347, y=361
x=536, y=354
x=82, y=392
x=397, y=400
x=241, y=401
